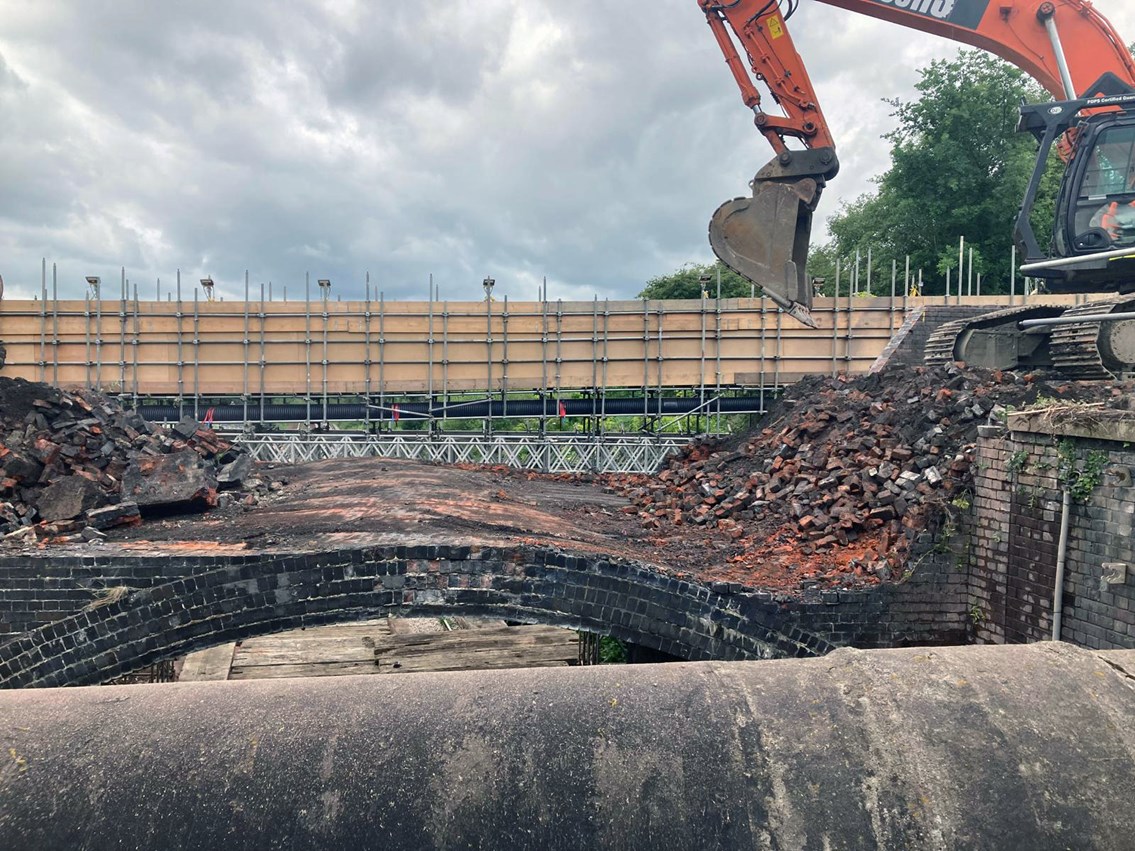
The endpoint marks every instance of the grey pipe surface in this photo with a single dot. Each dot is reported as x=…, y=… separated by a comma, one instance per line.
x=1061, y=558
x=1030, y=324
x=977, y=747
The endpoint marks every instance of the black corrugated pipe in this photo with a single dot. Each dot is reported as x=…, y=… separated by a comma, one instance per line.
x=517, y=409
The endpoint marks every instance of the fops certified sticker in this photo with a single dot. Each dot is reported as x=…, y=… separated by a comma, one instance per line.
x=961, y=13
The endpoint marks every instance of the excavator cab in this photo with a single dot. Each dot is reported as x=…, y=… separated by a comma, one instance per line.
x=1095, y=205
x=1097, y=210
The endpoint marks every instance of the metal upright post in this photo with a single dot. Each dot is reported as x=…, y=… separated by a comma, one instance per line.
x=98, y=338
x=196, y=358
x=835, y=324
x=324, y=361
x=764, y=345
x=847, y=350
x=122, y=314
x=559, y=348
x=544, y=358
x=606, y=351
x=894, y=285
x=180, y=353
x=263, y=317
x=430, y=355
x=247, y=351
x=659, y=355
x=489, y=358
x=134, y=345
x=43, y=321
x=594, y=356
x=961, y=265
x=717, y=347
x=504, y=359
x=444, y=358
x=645, y=362
x=702, y=357
x=306, y=344
x=906, y=290
x=1013, y=275
x=779, y=350
x=382, y=355
x=55, y=324
x=366, y=356
x=969, y=275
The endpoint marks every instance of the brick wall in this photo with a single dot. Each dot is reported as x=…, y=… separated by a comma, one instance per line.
x=1018, y=502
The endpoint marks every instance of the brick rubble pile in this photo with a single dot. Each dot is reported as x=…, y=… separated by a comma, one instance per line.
x=75, y=463
x=842, y=476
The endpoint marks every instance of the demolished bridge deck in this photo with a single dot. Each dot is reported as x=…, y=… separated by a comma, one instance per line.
x=347, y=540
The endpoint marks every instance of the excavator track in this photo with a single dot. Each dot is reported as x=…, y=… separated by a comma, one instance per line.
x=949, y=342
x=1095, y=351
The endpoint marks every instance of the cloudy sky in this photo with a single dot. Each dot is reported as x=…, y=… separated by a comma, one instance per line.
x=581, y=140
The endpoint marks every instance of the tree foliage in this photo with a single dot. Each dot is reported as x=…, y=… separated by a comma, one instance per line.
x=958, y=168
x=692, y=279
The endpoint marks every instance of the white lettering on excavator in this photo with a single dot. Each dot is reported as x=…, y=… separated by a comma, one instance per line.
x=941, y=9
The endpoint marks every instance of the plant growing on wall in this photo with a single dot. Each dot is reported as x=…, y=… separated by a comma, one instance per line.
x=1080, y=479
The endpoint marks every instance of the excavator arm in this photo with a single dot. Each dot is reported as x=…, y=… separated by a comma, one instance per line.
x=1069, y=47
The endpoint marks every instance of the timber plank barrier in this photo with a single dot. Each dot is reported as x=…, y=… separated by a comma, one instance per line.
x=372, y=348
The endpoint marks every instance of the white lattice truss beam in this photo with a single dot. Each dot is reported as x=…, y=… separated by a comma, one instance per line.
x=549, y=454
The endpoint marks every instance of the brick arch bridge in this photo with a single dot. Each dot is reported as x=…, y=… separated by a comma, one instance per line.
x=225, y=599
x=172, y=605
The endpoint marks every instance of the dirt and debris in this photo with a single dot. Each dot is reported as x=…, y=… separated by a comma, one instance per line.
x=841, y=477
x=830, y=491
x=73, y=464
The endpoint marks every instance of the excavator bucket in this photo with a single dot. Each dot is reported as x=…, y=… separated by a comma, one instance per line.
x=765, y=239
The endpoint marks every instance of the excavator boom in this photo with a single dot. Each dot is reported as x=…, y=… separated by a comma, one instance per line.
x=1071, y=49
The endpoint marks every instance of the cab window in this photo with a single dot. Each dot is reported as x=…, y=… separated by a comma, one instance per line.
x=1104, y=213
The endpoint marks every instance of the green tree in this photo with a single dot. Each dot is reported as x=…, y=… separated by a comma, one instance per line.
x=958, y=168
x=693, y=278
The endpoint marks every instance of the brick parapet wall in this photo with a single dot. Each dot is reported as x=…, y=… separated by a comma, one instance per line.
x=1018, y=506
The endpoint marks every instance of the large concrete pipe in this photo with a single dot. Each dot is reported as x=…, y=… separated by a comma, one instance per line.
x=982, y=747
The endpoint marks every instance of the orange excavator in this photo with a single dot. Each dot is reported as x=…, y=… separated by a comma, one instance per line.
x=1076, y=54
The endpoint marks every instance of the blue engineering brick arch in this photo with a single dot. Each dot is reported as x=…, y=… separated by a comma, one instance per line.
x=167, y=606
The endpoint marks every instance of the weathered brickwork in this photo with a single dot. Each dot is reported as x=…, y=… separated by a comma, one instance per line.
x=1018, y=503
x=190, y=603
x=38, y=591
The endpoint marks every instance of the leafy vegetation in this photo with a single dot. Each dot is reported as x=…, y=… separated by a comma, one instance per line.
x=694, y=279
x=1080, y=479
x=958, y=168
x=612, y=651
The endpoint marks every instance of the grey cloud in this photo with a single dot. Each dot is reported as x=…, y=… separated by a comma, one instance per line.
x=588, y=142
